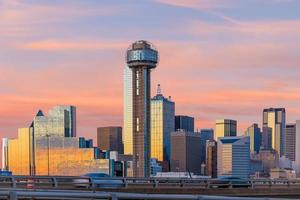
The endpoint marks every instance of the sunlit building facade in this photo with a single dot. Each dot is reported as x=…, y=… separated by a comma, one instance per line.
x=274, y=118
x=225, y=128
x=255, y=137
x=234, y=156
x=127, y=111
x=48, y=148
x=162, y=124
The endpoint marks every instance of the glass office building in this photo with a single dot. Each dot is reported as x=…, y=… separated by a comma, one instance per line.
x=225, y=128
x=48, y=148
x=255, y=137
x=183, y=122
x=162, y=124
x=127, y=111
x=234, y=156
x=274, y=118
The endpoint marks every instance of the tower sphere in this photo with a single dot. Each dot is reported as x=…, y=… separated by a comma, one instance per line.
x=142, y=53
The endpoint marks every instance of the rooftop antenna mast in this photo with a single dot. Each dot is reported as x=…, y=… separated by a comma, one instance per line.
x=158, y=89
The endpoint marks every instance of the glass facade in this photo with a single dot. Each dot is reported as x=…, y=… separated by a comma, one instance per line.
x=127, y=106
x=274, y=118
x=234, y=156
x=255, y=137
x=162, y=124
x=225, y=128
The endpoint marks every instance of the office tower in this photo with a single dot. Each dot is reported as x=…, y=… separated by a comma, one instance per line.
x=290, y=141
x=46, y=148
x=225, y=128
x=234, y=156
x=274, y=118
x=162, y=124
x=141, y=58
x=185, y=152
x=255, y=137
x=61, y=121
x=4, y=154
x=205, y=134
x=296, y=164
x=211, y=158
x=127, y=111
x=266, y=138
x=183, y=122
x=110, y=138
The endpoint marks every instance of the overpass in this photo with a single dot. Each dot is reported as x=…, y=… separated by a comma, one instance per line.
x=14, y=187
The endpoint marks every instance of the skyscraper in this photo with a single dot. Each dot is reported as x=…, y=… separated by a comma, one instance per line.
x=211, y=158
x=162, y=124
x=297, y=150
x=290, y=141
x=127, y=111
x=185, y=152
x=205, y=134
x=110, y=138
x=141, y=58
x=234, y=156
x=274, y=118
x=183, y=122
x=266, y=138
x=225, y=128
x=255, y=137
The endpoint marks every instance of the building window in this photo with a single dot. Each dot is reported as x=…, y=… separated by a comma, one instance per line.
x=137, y=124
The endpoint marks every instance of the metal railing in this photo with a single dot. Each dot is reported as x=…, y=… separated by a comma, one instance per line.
x=55, y=195
x=85, y=183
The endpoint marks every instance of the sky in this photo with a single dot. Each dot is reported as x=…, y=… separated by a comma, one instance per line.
x=218, y=58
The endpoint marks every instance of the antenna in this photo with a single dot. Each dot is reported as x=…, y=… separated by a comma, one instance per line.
x=158, y=89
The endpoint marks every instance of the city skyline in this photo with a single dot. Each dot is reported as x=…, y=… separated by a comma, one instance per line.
x=257, y=63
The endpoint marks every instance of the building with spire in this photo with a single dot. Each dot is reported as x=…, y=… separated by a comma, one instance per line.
x=162, y=124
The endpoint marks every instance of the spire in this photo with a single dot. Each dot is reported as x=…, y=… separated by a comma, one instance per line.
x=39, y=113
x=158, y=89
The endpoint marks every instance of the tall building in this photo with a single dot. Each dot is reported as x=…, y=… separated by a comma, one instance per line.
x=61, y=120
x=185, y=152
x=162, y=124
x=110, y=138
x=234, y=156
x=46, y=148
x=183, y=122
x=255, y=137
x=211, y=158
x=290, y=141
x=4, y=154
x=127, y=111
x=274, y=118
x=205, y=134
x=141, y=58
x=297, y=155
x=225, y=128
x=266, y=138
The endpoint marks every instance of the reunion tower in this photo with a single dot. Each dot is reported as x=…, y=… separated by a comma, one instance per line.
x=141, y=58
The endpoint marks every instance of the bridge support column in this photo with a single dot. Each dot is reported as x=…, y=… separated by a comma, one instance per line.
x=13, y=195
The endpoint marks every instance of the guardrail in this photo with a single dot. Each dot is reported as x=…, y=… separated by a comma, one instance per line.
x=55, y=195
x=85, y=183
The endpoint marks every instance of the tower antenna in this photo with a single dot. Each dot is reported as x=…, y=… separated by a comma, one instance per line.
x=158, y=89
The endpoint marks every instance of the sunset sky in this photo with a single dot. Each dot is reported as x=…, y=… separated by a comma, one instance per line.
x=218, y=58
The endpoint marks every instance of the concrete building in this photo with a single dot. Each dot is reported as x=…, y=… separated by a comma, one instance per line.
x=185, y=152
x=211, y=158
x=234, y=156
x=274, y=118
x=141, y=58
x=110, y=138
x=183, y=122
x=225, y=128
x=290, y=141
x=127, y=111
x=255, y=137
x=162, y=124
x=296, y=164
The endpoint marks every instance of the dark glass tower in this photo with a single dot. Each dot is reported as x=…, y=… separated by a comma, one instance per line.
x=141, y=58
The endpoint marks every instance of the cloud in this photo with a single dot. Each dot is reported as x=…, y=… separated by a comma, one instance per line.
x=195, y=4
